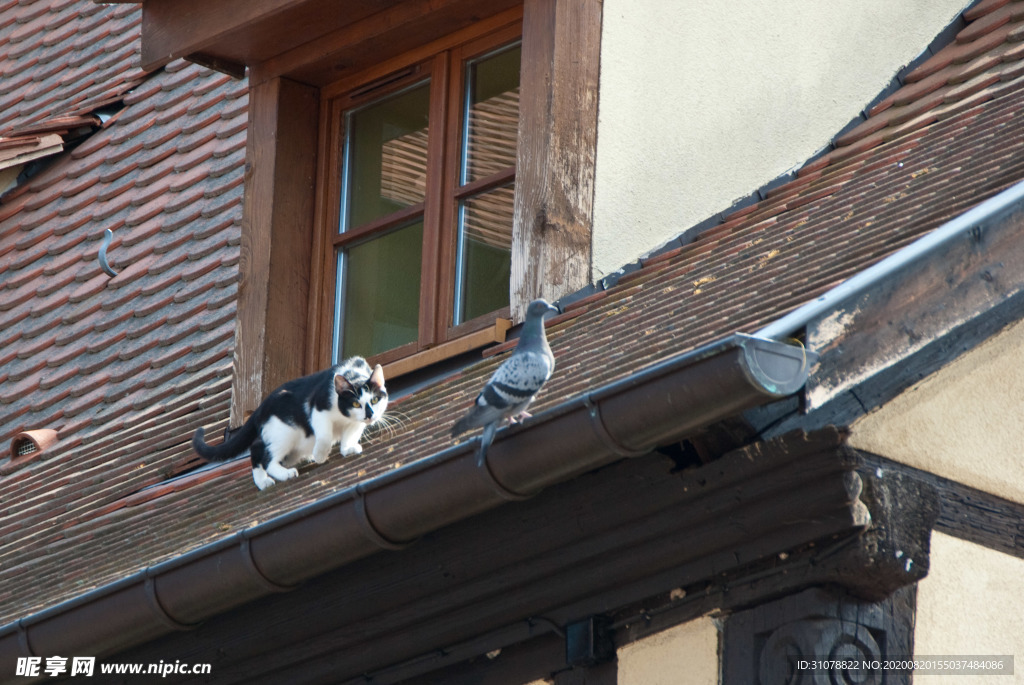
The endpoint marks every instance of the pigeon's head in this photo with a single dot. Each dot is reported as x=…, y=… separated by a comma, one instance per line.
x=538, y=309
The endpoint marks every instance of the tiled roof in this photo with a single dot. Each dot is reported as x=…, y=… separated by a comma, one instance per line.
x=123, y=367
x=61, y=58
x=127, y=367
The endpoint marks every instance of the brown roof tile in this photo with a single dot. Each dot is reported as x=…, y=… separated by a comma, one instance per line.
x=980, y=9
x=58, y=376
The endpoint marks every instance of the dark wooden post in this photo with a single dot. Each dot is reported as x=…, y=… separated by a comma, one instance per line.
x=277, y=238
x=551, y=240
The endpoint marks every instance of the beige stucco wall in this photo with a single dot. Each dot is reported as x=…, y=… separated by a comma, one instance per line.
x=970, y=604
x=964, y=422
x=701, y=103
x=686, y=654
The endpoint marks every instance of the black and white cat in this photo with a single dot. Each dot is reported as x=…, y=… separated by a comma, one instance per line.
x=301, y=421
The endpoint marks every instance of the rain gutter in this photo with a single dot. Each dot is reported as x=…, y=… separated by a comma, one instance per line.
x=941, y=238
x=657, y=405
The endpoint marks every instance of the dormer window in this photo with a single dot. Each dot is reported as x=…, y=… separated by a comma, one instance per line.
x=417, y=172
x=425, y=186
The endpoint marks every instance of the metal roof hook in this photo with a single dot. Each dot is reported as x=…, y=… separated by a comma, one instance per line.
x=108, y=235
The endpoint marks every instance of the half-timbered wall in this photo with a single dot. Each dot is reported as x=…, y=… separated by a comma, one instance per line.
x=962, y=422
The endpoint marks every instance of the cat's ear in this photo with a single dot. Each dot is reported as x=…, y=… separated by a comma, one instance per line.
x=341, y=384
x=377, y=377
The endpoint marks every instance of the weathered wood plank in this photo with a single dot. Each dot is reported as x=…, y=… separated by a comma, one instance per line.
x=966, y=512
x=919, y=304
x=557, y=150
x=372, y=41
x=523, y=663
x=175, y=28
x=242, y=31
x=277, y=239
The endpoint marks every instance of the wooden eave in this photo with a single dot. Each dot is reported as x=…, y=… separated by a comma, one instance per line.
x=310, y=41
x=757, y=522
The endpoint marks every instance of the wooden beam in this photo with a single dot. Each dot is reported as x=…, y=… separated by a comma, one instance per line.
x=526, y=662
x=373, y=40
x=609, y=540
x=175, y=28
x=277, y=238
x=761, y=644
x=927, y=307
x=242, y=31
x=551, y=244
x=965, y=512
x=233, y=69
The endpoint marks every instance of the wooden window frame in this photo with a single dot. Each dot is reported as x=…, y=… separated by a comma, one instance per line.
x=446, y=72
x=280, y=305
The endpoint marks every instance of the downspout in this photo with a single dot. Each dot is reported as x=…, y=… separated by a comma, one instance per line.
x=662, y=403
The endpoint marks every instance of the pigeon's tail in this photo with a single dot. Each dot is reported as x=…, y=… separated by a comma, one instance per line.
x=479, y=415
x=464, y=424
x=487, y=437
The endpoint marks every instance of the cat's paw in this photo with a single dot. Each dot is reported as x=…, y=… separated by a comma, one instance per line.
x=352, y=449
x=262, y=480
x=279, y=473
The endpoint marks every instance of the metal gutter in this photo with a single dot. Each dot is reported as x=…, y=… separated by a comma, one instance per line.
x=661, y=403
x=956, y=229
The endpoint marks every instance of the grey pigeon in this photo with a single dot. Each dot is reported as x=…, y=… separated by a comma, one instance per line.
x=517, y=381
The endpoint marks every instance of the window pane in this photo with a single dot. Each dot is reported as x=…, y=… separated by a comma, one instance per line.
x=492, y=117
x=485, y=253
x=381, y=292
x=386, y=157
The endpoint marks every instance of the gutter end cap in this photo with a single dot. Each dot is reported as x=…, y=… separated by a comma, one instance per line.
x=780, y=369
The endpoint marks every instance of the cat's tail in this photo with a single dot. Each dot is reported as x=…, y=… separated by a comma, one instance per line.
x=230, y=448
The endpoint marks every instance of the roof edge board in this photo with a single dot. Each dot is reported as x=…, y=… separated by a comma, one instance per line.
x=921, y=249
x=663, y=402
x=170, y=29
